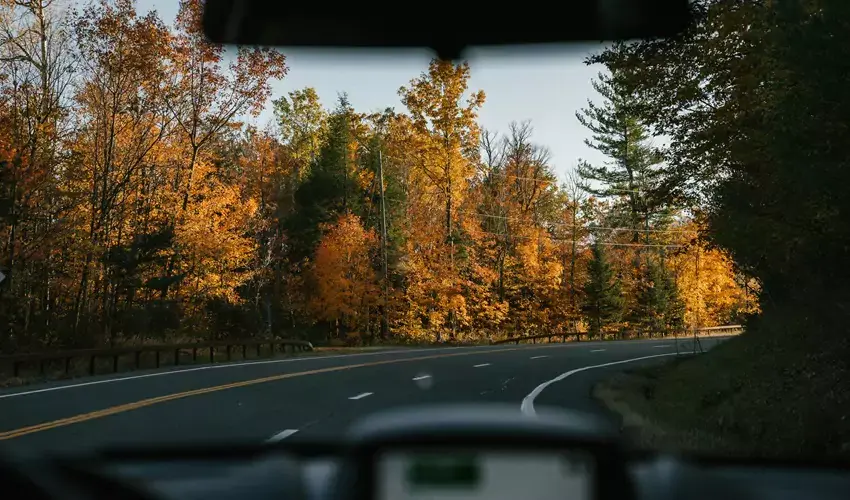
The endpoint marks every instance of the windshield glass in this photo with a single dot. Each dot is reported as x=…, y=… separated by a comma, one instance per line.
x=203, y=244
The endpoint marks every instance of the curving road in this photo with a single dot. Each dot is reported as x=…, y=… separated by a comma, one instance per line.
x=315, y=397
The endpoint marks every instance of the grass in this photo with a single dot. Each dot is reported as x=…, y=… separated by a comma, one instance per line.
x=779, y=391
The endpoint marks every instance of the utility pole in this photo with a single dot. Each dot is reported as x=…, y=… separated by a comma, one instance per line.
x=384, y=319
x=675, y=330
x=698, y=304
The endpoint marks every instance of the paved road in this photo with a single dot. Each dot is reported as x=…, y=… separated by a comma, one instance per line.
x=316, y=397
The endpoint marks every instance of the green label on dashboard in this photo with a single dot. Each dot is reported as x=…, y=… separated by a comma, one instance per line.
x=455, y=471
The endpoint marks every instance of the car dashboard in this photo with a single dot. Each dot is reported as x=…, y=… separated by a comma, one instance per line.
x=657, y=478
x=448, y=453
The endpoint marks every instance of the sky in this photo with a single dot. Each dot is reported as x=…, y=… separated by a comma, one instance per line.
x=545, y=86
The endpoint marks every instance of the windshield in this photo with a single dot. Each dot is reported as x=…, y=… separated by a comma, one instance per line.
x=206, y=244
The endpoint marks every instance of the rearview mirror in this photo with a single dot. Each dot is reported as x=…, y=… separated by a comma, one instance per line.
x=446, y=27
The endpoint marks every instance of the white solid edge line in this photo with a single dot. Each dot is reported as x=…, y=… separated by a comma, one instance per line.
x=597, y=350
x=361, y=396
x=281, y=435
x=481, y=365
x=212, y=367
x=422, y=377
x=538, y=357
x=661, y=346
x=527, y=406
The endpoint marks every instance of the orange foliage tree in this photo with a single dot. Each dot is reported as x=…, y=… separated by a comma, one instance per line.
x=346, y=287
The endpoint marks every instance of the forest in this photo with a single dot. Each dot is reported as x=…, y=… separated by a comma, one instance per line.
x=139, y=205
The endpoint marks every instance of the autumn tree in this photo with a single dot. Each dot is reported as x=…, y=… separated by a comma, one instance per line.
x=713, y=290
x=215, y=236
x=345, y=282
x=204, y=97
x=516, y=189
x=124, y=120
x=447, y=146
x=518, y=203
x=36, y=64
x=575, y=208
x=447, y=123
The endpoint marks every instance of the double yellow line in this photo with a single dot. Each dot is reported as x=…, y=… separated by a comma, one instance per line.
x=23, y=431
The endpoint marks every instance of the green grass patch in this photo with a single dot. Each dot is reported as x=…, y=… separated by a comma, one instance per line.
x=777, y=391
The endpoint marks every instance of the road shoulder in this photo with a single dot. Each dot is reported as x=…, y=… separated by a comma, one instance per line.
x=629, y=395
x=771, y=395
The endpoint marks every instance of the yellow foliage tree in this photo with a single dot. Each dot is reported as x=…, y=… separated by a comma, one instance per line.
x=447, y=133
x=214, y=240
x=711, y=289
x=535, y=279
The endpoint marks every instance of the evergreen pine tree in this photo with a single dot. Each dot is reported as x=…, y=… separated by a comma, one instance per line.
x=603, y=303
x=659, y=306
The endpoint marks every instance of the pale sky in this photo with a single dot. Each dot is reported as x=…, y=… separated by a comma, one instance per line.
x=544, y=86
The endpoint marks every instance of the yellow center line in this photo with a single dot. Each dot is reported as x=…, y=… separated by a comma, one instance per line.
x=23, y=431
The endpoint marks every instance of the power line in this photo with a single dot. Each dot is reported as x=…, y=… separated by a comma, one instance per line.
x=545, y=181
x=603, y=243
x=534, y=179
x=540, y=180
x=565, y=224
x=568, y=225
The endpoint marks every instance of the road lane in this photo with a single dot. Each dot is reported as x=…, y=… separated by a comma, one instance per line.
x=319, y=404
x=35, y=404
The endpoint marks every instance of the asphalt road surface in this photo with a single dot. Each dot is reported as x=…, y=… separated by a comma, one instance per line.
x=311, y=397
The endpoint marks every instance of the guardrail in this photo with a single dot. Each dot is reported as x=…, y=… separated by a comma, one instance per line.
x=713, y=330
x=16, y=361
x=534, y=338
x=720, y=330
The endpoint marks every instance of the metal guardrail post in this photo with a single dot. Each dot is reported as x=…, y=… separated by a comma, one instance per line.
x=42, y=361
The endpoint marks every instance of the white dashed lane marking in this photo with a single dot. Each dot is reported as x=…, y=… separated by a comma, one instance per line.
x=281, y=435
